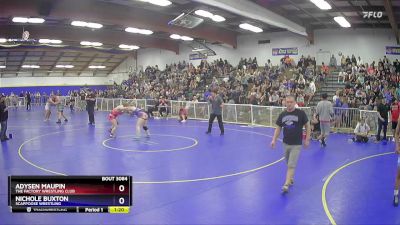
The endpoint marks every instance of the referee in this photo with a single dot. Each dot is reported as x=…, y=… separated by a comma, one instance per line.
x=3, y=118
x=216, y=111
x=292, y=121
x=90, y=103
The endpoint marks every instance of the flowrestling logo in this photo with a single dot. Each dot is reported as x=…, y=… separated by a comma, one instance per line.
x=373, y=14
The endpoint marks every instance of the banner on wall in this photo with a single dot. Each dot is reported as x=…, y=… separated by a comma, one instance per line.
x=392, y=50
x=285, y=51
x=197, y=55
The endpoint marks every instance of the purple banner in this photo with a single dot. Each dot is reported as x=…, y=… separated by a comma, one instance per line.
x=285, y=51
x=392, y=50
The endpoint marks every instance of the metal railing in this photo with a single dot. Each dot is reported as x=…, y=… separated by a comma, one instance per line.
x=344, y=121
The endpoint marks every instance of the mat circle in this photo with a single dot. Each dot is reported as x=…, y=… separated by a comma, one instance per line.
x=195, y=142
x=159, y=181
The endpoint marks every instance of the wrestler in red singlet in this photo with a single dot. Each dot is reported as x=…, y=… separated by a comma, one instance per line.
x=114, y=114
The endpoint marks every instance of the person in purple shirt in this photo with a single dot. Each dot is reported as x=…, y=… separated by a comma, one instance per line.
x=207, y=94
x=388, y=96
x=344, y=111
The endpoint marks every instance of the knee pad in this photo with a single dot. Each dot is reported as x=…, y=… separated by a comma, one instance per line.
x=145, y=128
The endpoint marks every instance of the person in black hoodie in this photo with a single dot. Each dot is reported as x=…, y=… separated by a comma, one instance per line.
x=28, y=101
x=90, y=104
x=3, y=118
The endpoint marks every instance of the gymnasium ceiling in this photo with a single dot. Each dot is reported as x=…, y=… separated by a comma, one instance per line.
x=299, y=16
x=306, y=13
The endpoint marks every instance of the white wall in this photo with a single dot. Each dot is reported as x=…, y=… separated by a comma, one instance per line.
x=52, y=81
x=123, y=70
x=368, y=43
x=152, y=57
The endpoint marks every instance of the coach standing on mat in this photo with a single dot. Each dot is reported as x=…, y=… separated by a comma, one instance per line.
x=216, y=106
x=28, y=100
x=383, y=110
x=90, y=103
x=3, y=118
x=292, y=120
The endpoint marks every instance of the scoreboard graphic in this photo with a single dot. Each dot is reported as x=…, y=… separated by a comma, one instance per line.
x=70, y=194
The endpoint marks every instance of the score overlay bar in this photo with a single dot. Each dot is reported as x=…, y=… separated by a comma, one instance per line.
x=107, y=209
x=85, y=194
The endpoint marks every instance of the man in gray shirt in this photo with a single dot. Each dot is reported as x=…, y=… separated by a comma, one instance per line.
x=325, y=113
x=216, y=111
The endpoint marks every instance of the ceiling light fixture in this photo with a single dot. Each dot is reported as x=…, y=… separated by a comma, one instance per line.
x=158, y=2
x=186, y=38
x=218, y=18
x=27, y=20
x=138, y=31
x=342, y=21
x=97, y=44
x=204, y=13
x=31, y=66
x=49, y=41
x=250, y=27
x=86, y=43
x=65, y=66
x=89, y=43
x=128, y=47
x=322, y=4
x=86, y=24
x=36, y=20
x=20, y=20
x=177, y=37
x=79, y=23
x=94, y=25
